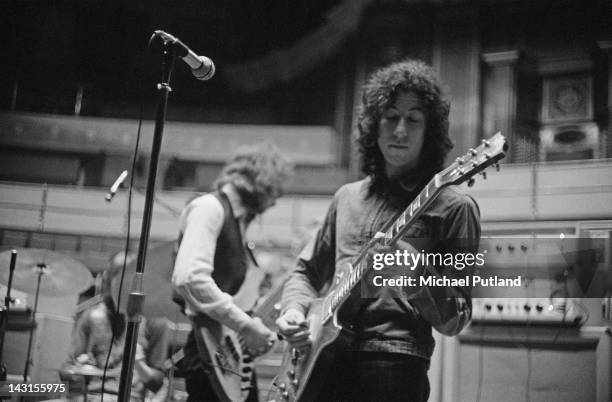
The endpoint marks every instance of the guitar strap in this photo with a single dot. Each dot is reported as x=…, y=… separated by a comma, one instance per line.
x=399, y=194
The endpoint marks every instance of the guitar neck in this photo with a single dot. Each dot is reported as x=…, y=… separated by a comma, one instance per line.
x=392, y=233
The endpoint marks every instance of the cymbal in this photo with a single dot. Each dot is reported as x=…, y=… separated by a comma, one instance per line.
x=91, y=371
x=61, y=275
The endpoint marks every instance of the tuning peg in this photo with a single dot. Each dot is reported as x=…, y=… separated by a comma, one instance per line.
x=484, y=175
x=460, y=161
x=471, y=182
x=497, y=166
x=486, y=143
x=473, y=152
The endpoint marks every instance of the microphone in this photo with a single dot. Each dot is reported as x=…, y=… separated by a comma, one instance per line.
x=115, y=186
x=202, y=67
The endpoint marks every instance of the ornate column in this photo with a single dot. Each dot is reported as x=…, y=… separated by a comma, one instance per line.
x=499, y=101
x=456, y=56
x=606, y=48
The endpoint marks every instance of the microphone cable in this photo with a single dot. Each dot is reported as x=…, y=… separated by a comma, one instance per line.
x=129, y=218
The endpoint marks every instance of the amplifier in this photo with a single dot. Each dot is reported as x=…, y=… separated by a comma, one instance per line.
x=562, y=311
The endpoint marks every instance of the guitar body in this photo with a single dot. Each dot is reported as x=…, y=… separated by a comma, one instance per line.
x=229, y=367
x=301, y=375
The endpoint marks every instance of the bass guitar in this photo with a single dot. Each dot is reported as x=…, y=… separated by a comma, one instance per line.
x=302, y=374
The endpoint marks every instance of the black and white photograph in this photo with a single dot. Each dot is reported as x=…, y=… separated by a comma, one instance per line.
x=306, y=201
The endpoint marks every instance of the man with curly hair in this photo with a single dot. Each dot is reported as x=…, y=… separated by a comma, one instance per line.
x=211, y=262
x=403, y=139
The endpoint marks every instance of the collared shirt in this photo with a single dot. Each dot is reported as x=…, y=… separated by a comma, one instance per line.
x=382, y=323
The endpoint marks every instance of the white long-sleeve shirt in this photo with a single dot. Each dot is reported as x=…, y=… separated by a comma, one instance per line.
x=200, y=225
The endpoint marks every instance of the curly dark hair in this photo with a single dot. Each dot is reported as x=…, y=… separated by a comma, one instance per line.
x=258, y=172
x=379, y=93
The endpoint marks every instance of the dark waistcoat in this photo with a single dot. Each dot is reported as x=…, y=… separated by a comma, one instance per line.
x=230, y=262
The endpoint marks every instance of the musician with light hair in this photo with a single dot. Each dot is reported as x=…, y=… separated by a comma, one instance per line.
x=212, y=257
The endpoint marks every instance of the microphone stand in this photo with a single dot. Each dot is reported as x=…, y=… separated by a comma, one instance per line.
x=5, y=313
x=136, y=297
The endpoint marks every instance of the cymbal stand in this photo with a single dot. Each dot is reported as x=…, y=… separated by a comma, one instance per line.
x=5, y=313
x=41, y=268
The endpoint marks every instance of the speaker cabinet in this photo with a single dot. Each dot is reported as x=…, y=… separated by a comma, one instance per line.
x=569, y=142
x=538, y=363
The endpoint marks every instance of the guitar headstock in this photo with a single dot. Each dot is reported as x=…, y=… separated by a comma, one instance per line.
x=488, y=153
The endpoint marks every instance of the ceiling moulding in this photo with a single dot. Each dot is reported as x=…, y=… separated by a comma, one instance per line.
x=564, y=64
x=285, y=64
x=501, y=58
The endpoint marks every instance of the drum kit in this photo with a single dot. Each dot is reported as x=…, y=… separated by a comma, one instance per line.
x=38, y=272
x=46, y=273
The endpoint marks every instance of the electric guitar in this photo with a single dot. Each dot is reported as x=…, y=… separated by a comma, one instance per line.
x=302, y=374
x=228, y=364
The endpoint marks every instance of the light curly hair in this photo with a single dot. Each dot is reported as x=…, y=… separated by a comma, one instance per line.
x=258, y=172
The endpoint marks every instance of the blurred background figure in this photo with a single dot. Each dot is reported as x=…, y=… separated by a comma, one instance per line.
x=213, y=260
x=99, y=327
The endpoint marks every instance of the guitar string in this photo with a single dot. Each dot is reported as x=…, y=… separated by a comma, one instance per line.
x=223, y=368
